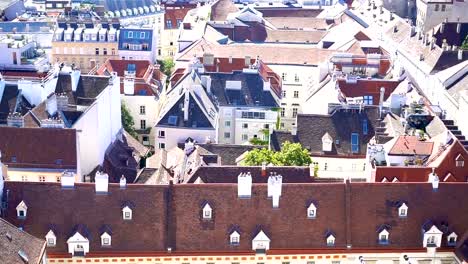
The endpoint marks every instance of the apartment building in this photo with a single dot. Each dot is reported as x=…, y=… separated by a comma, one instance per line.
x=85, y=46
x=137, y=44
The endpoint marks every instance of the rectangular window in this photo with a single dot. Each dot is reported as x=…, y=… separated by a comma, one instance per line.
x=179, y=21
x=113, y=51
x=437, y=7
x=130, y=34
x=443, y=8
x=58, y=179
x=142, y=35
x=354, y=142
x=266, y=126
x=97, y=51
x=142, y=110
x=169, y=24
x=296, y=78
x=283, y=76
x=325, y=166
x=104, y=51
x=283, y=112
x=227, y=123
x=245, y=137
x=284, y=94
x=294, y=112
x=245, y=125
x=42, y=178
x=162, y=145
x=51, y=242
x=460, y=163
x=162, y=134
x=227, y=135
x=24, y=178
x=368, y=99
x=105, y=241
x=296, y=94
x=143, y=124
x=364, y=127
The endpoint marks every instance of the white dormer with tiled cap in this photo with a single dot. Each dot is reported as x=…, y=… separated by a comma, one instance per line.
x=78, y=245
x=21, y=210
x=452, y=239
x=207, y=212
x=403, y=210
x=460, y=161
x=51, y=239
x=432, y=237
x=106, y=240
x=330, y=240
x=127, y=213
x=311, y=211
x=327, y=142
x=384, y=236
x=234, y=238
x=261, y=241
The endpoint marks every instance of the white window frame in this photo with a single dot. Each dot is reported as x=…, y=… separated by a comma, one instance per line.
x=403, y=210
x=384, y=237
x=106, y=240
x=22, y=210
x=454, y=236
x=234, y=238
x=330, y=240
x=162, y=133
x=142, y=35
x=127, y=213
x=227, y=123
x=207, y=212
x=51, y=239
x=312, y=211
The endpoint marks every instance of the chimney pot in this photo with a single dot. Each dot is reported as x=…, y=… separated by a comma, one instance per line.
x=67, y=180
x=101, y=182
x=460, y=54
x=123, y=182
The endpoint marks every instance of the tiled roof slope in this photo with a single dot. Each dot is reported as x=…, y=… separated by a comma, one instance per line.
x=33, y=248
x=411, y=145
x=227, y=153
x=368, y=87
x=339, y=125
x=51, y=207
x=221, y=9
x=174, y=14
x=47, y=148
x=228, y=174
x=171, y=215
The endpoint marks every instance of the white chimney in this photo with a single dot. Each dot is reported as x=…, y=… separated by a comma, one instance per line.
x=51, y=104
x=129, y=86
x=460, y=54
x=434, y=180
x=311, y=170
x=123, y=182
x=206, y=82
x=381, y=100
x=101, y=182
x=75, y=78
x=186, y=105
x=1, y=177
x=244, y=185
x=275, y=200
x=264, y=169
x=458, y=26
x=274, y=185
x=67, y=179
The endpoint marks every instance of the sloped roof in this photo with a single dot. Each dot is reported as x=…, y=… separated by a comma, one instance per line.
x=33, y=248
x=368, y=87
x=221, y=9
x=161, y=215
x=339, y=125
x=227, y=153
x=46, y=148
x=11, y=100
x=411, y=145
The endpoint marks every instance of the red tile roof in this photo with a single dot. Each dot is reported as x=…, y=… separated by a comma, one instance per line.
x=367, y=87
x=175, y=14
x=44, y=148
x=170, y=216
x=411, y=145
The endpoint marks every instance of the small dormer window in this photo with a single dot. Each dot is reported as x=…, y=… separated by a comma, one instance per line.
x=312, y=211
x=330, y=240
x=432, y=237
x=21, y=210
x=127, y=213
x=459, y=161
x=51, y=239
x=327, y=142
x=452, y=239
x=383, y=237
x=234, y=238
x=207, y=212
x=403, y=210
x=105, y=240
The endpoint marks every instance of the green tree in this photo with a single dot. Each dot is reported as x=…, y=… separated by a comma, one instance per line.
x=255, y=157
x=167, y=66
x=291, y=154
x=127, y=121
x=465, y=44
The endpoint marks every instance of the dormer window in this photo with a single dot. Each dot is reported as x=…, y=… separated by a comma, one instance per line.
x=261, y=242
x=459, y=161
x=311, y=211
x=330, y=240
x=51, y=239
x=105, y=240
x=207, y=212
x=432, y=237
x=403, y=210
x=327, y=142
x=383, y=237
x=21, y=210
x=452, y=239
x=234, y=238
x=127, y=213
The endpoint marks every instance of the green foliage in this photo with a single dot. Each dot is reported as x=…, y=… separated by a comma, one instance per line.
x=167, y=66
x=465, y=44
x=258, y=142
x=127, y=121
x=291, y=154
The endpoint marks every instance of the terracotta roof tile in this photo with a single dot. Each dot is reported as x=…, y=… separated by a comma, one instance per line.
x=367, y=87
x=411, y=145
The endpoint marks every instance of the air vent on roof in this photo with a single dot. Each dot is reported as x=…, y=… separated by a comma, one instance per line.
x=8, y=236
